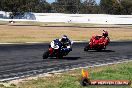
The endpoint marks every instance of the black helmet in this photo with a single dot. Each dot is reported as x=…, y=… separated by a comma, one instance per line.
x=64, y=39
x=105, y=33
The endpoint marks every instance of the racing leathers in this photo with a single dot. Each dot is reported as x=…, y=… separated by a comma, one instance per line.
x=57, y=44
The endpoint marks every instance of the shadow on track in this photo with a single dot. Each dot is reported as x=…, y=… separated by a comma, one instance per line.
x=66, y=58
x=107, y=51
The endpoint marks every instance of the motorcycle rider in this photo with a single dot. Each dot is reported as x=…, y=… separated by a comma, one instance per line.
x=105, y=37
x=104, y=34
x=64, y=41
x=58, y=48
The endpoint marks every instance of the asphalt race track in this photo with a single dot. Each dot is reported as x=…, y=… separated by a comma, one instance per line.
x=22, y=60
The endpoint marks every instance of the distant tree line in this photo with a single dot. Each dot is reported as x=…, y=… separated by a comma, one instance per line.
x=67, y=6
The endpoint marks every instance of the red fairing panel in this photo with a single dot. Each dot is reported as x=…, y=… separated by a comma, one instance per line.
x=50, y=50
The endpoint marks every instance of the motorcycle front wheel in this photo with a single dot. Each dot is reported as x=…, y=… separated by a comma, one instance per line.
x=46, y=55
x=86, y=48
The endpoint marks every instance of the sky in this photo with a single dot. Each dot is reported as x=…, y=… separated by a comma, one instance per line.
x=50, y=1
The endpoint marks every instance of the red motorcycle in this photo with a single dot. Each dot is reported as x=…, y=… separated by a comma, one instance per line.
x=98, y=42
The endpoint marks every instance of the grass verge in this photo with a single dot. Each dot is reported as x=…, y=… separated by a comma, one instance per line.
x=34, y=23
x=20, y=34
x=70, y=79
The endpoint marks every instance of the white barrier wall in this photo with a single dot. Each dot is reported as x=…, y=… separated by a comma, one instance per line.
x=81, y=18
x=85, y=18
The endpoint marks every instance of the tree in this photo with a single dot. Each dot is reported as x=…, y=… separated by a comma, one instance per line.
x=37, y=6
x=89, y=6
x=110, y=7
x=10, y=5
x=0, y=5
x=21, y=6
x=127, y=6
x=73, y=6
x=58, y=7
x=67, y=6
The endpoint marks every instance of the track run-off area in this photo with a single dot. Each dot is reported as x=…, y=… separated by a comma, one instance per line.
x=23, y=60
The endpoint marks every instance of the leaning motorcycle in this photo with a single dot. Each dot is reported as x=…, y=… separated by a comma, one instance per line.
x=97, y=43
x=58, y=50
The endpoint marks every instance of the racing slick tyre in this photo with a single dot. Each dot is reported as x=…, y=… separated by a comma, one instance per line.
x=46, y=55
x=84, y=81
x=86, y=48
x=99, y=49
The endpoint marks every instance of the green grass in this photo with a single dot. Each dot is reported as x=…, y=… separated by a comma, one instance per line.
x=70, y=79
